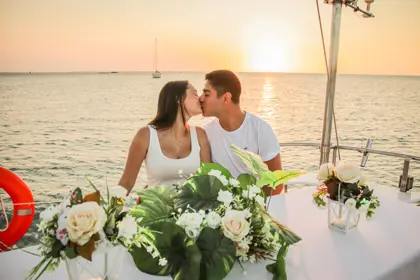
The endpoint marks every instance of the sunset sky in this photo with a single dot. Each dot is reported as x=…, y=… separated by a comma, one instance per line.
x=201, y=35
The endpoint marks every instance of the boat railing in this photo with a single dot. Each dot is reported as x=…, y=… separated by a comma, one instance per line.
x=405, y=182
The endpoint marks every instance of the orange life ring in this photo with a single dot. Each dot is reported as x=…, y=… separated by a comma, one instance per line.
x=23, y=208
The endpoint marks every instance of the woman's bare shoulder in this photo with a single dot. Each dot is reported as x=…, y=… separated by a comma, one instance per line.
x=142, y=136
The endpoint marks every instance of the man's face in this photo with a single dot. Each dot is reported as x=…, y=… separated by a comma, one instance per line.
x=210, y=103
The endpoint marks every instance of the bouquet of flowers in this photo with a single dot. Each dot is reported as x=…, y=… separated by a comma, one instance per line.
x=212, y=220
x=347, y=184
x=80, y=225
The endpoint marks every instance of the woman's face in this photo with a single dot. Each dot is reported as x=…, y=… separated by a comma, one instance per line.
x=192, y=101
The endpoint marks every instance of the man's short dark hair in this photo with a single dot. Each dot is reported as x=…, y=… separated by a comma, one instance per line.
x=225, y=81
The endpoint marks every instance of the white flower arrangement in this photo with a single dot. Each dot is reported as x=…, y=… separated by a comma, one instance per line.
x=345, y=183
x=79, y=226
x=214, y=219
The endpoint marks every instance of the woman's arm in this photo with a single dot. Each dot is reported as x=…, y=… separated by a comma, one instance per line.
x=205, y=154
x=136, y=155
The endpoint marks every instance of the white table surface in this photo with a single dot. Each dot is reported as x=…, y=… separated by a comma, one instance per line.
x=386, y=247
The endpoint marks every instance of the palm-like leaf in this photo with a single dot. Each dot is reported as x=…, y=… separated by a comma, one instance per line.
x=200, y=193
x=218, y=254
x=280, y=232
x=253, y=162
x=157, y=205
x=181, y=252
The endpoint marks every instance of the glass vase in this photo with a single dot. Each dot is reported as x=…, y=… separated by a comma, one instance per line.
x=341, y=217
x=105, y=265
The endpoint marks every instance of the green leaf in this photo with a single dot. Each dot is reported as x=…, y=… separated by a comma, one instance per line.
x=71, y=252
x=56, y=249
x=157, y=205
x=205, y=168
x=246, y=180
x=180, y=251
x=218, y=254
x=277, y=177
x=279, y=267
x=280, y=232
x=267, y=179
x=76, y=197
x=253, y=162
x=200, y=193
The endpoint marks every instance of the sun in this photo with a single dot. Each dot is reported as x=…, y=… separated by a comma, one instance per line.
x=264, y=51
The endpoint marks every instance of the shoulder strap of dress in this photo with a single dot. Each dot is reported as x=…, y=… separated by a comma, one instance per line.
x=153, y=138
x=195, y=145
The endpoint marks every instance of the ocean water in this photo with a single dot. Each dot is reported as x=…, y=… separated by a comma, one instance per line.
x=57, y=128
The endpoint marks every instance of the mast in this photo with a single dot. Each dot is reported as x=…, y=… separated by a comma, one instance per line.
x=155, y=58
x=332, y=69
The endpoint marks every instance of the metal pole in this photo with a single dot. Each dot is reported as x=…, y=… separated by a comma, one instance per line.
x=329, y=99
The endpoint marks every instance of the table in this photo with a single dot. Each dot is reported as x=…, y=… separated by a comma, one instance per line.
x=387, y=247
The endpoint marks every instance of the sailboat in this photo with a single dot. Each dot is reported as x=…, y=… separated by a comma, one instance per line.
x=156, y=74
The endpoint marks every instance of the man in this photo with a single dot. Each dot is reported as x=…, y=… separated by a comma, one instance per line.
x=221, y=99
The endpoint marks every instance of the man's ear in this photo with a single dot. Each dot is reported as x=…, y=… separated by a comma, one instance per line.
x=227, y=97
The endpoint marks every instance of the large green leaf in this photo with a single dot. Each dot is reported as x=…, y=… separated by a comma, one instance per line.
x=280, y=232
x=253, y=162
x=157, y=205
x=205, y=168
x=246, y=180
x=277, y=177
x=200, y=192
x=180, y=251
x=279, y=267
x=218, y=254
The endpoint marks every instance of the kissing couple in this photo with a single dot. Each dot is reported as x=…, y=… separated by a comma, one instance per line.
x=168, y=144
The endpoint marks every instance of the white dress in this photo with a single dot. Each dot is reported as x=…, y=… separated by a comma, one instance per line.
x=164, y=171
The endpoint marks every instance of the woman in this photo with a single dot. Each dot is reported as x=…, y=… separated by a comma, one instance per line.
x=168, y=145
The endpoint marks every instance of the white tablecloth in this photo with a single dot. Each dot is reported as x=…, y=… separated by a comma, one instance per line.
x=386, y=247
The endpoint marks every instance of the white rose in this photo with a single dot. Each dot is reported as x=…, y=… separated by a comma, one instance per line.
x=127, y=227
x=118, y=192
x=242, y=249
x=351, y=203
x=218, y=174
x=260, y=200
x=213, y=220
x=64, y=206
x=225, y=196
x=253, y=191
x=326, y=170
x=363, y=180
x=192, y=232
x=235, y=226
x=191, y=220
x=233, y=182
x=47, y=215
x=62, y=219
x=85, y=220
x=348, y=172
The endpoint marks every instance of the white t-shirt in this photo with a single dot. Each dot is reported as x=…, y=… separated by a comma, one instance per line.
x=254, y=135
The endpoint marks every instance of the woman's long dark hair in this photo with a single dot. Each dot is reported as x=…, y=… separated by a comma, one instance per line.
x=171, y=99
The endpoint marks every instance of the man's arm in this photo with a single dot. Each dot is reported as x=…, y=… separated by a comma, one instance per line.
x=274, y=163
x=269, y=150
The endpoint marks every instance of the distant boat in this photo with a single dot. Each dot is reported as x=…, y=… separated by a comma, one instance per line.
x=156, y=74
